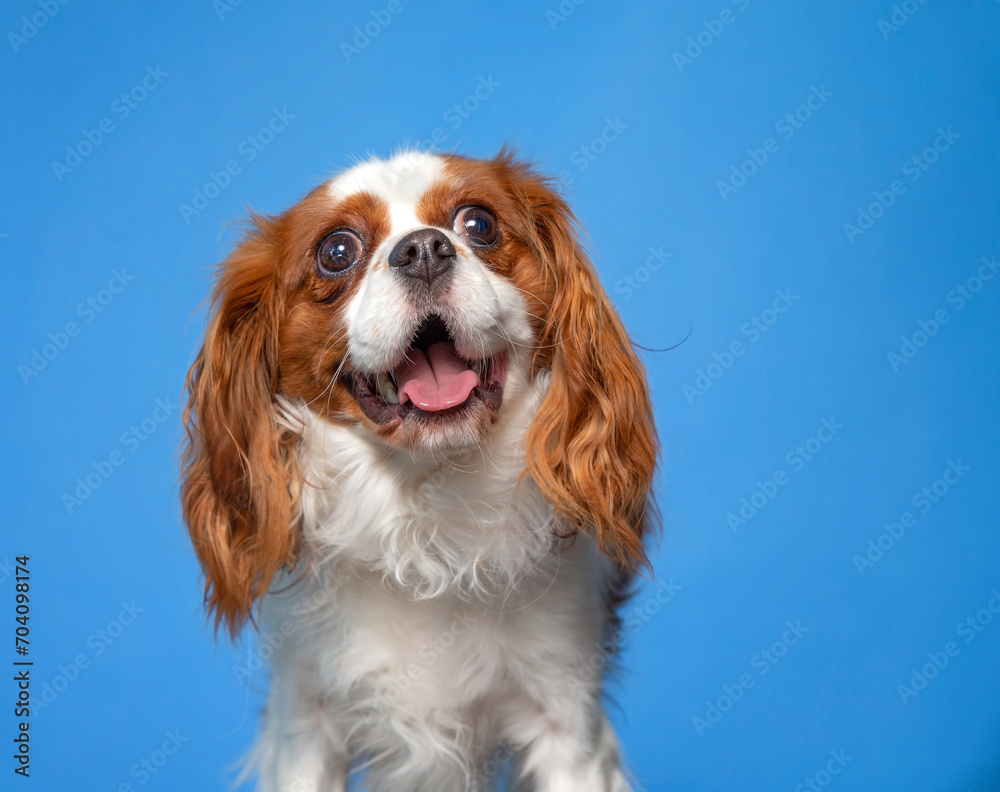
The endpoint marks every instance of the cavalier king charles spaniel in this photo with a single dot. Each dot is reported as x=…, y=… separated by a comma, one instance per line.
x=419, y=439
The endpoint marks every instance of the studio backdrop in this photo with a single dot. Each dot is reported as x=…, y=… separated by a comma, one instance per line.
x=795, y=209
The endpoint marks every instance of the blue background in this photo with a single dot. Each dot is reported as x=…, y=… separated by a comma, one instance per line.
x=682, y=127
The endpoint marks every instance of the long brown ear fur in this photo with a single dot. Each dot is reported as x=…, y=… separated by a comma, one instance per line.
x=237, y=466
x=592, y=448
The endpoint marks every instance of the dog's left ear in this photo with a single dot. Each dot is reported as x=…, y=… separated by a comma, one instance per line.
x=592, y=447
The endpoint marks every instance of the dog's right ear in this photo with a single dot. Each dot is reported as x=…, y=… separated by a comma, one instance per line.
x=238, y=467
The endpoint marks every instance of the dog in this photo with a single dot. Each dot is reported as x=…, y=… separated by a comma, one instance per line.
x=419, y=453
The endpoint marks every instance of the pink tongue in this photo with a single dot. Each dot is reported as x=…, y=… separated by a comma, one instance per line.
x=435, y=380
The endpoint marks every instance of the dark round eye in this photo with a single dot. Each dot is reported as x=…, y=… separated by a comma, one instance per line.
x=478, y=225
x=338, y=253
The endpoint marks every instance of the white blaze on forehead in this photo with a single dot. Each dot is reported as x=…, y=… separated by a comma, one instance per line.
x=400, y=181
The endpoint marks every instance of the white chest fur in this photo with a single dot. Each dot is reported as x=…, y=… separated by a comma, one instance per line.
x=437, y=620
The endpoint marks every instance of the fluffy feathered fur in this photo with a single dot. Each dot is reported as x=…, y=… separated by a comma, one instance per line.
x=438, y=577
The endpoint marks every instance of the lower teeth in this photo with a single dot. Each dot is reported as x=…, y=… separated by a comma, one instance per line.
x=386, y=389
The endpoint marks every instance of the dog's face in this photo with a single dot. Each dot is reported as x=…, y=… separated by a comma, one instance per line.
x=404, y=299
x=415, y=291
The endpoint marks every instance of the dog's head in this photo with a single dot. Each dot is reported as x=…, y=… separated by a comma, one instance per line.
x=403, y=299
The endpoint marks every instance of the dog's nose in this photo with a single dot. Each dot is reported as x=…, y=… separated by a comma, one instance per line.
x=425, y=254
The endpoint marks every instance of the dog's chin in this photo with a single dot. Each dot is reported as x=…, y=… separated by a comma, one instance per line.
x=454, y=429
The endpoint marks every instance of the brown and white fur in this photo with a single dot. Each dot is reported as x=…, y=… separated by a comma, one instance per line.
x=436, y=578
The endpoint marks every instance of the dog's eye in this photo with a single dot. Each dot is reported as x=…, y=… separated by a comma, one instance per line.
x=340, y=251
x=478, y=225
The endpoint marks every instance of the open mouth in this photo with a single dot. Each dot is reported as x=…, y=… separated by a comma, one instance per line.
x=431, y=381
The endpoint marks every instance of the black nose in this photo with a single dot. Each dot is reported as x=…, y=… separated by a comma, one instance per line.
x=425, y=254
